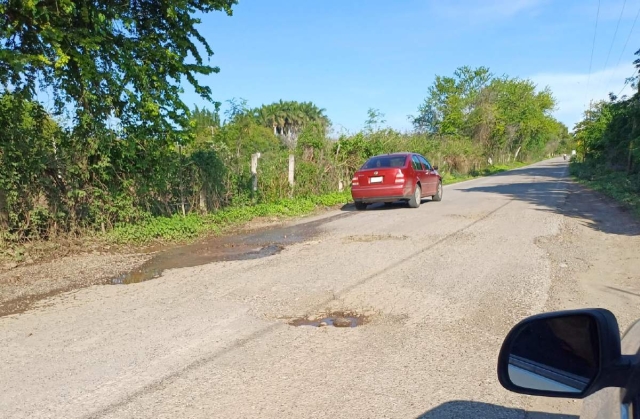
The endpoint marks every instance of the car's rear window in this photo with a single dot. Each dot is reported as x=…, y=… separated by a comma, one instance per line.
x=385, y=162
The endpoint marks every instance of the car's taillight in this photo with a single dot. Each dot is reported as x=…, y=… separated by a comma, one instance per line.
x=400, y=177
x=354, y=181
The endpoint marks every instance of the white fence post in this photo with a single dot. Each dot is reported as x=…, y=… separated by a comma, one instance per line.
x=292, y=163
x=254, y=172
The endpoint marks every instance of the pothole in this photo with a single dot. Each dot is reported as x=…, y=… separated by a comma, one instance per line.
x=335, y=319
x=153, y=268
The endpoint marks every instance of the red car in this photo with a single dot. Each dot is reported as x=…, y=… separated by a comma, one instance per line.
x=393, y=177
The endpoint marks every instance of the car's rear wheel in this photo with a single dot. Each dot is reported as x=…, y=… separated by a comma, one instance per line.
x=438, y=196
x=360, y=206
x=416, y=199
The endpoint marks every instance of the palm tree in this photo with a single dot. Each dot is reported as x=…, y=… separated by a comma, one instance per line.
x=289, y=118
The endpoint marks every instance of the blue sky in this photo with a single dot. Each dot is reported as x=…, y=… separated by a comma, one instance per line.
x=349, y=56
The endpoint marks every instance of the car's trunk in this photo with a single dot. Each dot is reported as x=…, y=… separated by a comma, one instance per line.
x=379, y=177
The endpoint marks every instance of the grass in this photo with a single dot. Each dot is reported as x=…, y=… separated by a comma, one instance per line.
x=450, y=178
x=179, y=228
x=624, y=188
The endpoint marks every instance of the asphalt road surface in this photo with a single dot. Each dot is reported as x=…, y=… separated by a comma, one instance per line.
x=437, y=288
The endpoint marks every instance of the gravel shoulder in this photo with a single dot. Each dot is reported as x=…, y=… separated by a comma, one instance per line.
x=24, y=287
x=72, y=265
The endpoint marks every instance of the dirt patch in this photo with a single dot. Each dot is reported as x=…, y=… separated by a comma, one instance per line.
x=12, y=256
x=594, y=263
x=260, y=223
x=346, y=319
x=23, y=286
x=277, y=221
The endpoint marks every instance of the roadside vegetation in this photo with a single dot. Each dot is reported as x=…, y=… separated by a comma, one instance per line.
x=118, y=155
x=608, y=145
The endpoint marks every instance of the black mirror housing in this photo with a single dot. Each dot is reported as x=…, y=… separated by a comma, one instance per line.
x=569, y=354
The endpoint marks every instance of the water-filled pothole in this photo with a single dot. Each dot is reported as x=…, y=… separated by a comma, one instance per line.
x=154, y=268
x=244, y=246
x=335, y=319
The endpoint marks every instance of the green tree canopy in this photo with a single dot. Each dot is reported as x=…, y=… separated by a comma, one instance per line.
x=500, y=114
x=289, y=118
x=108, y=58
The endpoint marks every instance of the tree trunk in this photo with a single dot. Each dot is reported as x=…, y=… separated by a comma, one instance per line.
x=630, y=156
x=203, y=200
x=630, y=159
x=515, y=157
x=4, y=211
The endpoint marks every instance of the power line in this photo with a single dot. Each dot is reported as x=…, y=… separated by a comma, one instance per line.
x=627, y=80
x=625, y=43
x=593, y=46
x=628, y=37
x=625, y=84
x=615, y=34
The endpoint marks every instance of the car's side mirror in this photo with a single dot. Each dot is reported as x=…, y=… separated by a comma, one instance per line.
x=568, y=354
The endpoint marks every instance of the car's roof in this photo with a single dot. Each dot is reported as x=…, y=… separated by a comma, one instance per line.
x=398, y=154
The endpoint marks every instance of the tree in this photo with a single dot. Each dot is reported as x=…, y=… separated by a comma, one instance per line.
x=449, y=100
x=590, y=132
x=502, y=116
x=108, y=58
x=375, y=118
x=289, y=118
x=29, y=170
x=523, y=115
x=205, y=122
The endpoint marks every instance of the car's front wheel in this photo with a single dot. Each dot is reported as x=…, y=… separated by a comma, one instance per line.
x=360, y=206
x=438, y=196
x=416, y=199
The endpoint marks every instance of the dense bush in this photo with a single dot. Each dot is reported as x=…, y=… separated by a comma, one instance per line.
x=608, y=144
x=57, y=179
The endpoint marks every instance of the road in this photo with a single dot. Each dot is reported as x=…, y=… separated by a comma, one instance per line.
x=439, y=287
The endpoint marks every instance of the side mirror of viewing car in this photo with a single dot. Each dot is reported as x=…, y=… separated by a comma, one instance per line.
x=568, y=354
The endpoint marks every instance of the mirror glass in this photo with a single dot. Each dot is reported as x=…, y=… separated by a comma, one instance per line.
x=555, y=354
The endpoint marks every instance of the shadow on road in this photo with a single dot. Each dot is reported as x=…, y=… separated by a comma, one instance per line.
x=555, y=192
x=382, y=207
x=464, y=409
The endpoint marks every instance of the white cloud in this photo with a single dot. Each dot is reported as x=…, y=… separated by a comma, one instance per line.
x=573, y=91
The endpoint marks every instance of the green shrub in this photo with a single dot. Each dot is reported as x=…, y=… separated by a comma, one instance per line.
x=178, y=228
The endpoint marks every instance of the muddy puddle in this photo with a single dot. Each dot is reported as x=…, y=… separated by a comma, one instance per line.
x=335, y=319
x=244, y=246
